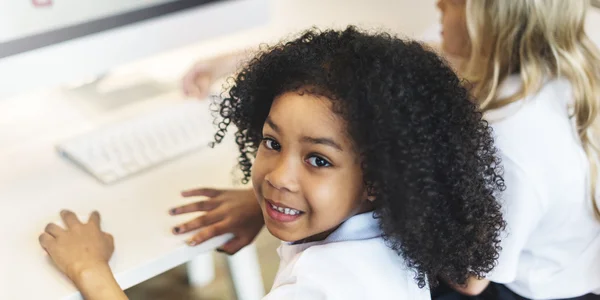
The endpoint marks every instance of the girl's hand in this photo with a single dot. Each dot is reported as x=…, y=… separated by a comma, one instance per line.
x=198, y=79
x=227, y=211
x=79, y=247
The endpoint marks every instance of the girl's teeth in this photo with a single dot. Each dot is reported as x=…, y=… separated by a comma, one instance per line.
x=287, y=211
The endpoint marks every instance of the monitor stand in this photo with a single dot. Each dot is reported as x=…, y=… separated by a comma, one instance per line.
x=104, y=94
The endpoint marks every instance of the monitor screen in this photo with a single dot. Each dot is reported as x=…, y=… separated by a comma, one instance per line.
x=32, y=24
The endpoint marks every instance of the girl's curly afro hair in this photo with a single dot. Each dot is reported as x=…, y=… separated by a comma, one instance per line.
x=427, y=155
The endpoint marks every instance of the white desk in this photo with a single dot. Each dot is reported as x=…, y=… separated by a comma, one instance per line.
x=35, y=184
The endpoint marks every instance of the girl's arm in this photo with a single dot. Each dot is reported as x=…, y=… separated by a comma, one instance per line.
x=82, y=251
x=98, y=283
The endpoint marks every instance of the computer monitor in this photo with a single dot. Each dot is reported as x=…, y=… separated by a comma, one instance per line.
x=44, y=43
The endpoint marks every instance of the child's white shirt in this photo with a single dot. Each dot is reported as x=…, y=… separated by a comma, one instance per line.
x=552, y=245
x=352, y=263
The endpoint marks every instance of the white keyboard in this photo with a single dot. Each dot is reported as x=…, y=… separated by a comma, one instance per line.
x=126, y=148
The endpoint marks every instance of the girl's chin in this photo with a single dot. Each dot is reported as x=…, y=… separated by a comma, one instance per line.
x=283, y=236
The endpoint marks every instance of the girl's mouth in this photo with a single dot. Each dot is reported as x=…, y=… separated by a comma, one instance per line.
x=282, y=213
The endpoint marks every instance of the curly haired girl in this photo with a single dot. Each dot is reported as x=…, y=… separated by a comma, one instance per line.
x=370, y=161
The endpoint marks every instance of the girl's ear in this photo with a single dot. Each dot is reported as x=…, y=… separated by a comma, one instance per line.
x=369, y=193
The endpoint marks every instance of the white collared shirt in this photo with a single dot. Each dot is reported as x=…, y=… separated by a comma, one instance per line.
x=552, y=246
x=352, y=263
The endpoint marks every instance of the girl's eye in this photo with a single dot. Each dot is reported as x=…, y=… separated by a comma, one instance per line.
x=318, y=162
x=271, y=144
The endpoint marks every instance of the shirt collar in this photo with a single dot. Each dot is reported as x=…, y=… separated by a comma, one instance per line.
x=359, y=227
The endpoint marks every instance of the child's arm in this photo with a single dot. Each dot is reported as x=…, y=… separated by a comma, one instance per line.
x=98, y=283
x=82, y=252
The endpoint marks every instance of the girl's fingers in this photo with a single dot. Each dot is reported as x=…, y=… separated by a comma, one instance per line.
x=94, y=218
x=206, y=192
x=69, y=218
x=206, y=234
x=199, y=222
x=207, y=205
x=45, y=240
x=110, y=238
x=54, y=230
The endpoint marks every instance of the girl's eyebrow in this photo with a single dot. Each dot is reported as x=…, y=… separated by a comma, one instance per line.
x=322, y=141
x=272, y=124
x=307, y=139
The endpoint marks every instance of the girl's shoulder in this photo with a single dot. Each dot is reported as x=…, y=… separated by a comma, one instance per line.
x=541, y=119
x=551, y=100
x=360, y=267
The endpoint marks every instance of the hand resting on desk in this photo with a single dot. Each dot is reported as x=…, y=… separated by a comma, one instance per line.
x=82, y=251
x=78, y=245
x=227, y=211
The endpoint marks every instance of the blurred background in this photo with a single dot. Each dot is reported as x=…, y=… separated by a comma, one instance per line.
x=71, y=66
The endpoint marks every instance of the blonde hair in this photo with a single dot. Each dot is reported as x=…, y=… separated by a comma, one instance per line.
x=537, y=40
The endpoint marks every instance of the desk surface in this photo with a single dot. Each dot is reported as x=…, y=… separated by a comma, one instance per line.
x=35, y=184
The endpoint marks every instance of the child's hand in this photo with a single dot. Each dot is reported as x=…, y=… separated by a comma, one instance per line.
x=198, y=79
x=227, y=211
x=79, y=247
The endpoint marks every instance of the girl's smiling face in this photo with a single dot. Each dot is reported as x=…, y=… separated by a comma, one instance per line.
x=307, y=176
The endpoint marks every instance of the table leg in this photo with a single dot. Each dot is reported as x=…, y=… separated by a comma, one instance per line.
x=246, y=275
x=201, y=270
